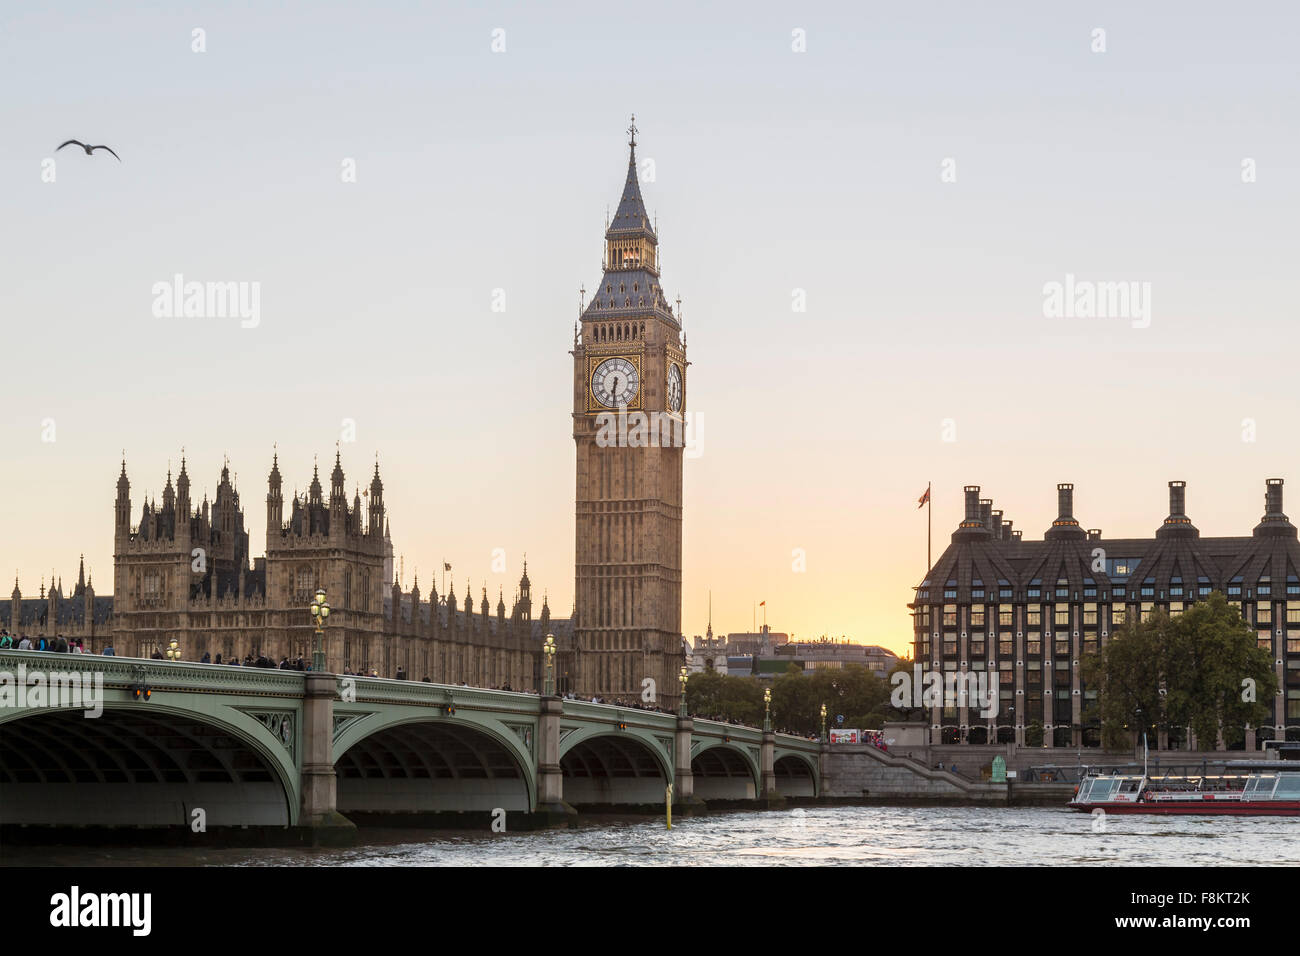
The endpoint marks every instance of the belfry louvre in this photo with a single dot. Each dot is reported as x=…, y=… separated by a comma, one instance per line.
x=1029, y=611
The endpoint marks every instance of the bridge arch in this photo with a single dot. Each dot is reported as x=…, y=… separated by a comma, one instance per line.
x=613, y=767
x=725, y=771
x=796, y=774
x=150, y=765
x=417, y=763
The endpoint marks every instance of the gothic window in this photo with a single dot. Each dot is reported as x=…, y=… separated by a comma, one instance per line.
x=628, y=302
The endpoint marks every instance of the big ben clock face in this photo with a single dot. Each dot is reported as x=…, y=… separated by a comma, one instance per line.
x=615, y=382
x=674, y=388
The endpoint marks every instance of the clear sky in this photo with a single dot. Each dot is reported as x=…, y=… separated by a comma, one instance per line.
x=774, y=171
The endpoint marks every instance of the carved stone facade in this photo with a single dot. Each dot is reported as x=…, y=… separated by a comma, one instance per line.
x=184, y=573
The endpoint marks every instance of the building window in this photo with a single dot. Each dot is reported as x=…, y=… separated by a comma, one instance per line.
x=1034, y=646
x=1147, y=609
x=1263, y=613
x=1062, y=617
x=1034, y=616
x=977, y=616
x=1090, y=615
x=950, y=615
x=1004, y=647
x=1063, y=648
x=1118, y=614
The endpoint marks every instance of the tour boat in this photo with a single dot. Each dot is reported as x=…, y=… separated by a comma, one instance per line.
x=1258, y=792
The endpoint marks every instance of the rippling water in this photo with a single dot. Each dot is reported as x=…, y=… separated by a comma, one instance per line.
x=915, y=836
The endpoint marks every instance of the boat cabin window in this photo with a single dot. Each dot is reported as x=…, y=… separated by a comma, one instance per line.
x=1288, y=784
x=1259, y=788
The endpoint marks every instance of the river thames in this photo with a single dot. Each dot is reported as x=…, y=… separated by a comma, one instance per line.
x=816, y=836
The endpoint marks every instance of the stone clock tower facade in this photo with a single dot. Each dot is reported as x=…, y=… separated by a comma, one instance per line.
x=629, y=403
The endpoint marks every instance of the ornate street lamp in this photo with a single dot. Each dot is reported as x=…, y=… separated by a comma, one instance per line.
x=681, y=679
x=173, y=651
x=767, y=709
x=823, y=723
x=320, y=611
x=548, y=649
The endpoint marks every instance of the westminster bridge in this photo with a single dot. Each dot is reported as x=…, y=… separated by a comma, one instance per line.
x=317, y=753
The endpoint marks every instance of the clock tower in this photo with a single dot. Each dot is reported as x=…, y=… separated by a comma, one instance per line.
x=629, y=399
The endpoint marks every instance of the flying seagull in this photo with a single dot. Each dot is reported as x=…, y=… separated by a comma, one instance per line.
x=88, y=149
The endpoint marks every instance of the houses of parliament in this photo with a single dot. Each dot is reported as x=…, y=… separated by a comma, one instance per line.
x=184, y=571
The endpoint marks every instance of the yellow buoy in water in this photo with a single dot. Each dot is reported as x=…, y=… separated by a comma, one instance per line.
x=668, y=804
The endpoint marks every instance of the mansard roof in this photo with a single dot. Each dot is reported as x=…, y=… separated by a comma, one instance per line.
x=981, y=557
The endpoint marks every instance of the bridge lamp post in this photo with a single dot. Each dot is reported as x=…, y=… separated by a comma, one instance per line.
x=549, y=650
x=767, y=709
x=823, y=723
x=682, y=678
x=173, y=651
x=320, y=612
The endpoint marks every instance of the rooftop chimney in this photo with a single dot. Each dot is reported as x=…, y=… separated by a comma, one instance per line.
x=997, y=525
x=1177, y=524
x=1273, y=497
x=1177, y=498
x=1007, y=533
x=978, y=518
x=1274, y=521
x=1094, y=534
x=1065, y=502
x=1065, y=526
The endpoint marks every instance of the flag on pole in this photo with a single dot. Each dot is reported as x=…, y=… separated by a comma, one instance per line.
x=762, y=604
x=920, y=502
x=446, y=566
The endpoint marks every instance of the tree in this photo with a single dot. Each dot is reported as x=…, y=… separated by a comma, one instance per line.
x=1192, y=670
x=1212, y=661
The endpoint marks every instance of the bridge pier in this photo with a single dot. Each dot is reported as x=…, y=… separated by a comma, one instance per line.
x=319, y=813
x=684, y=799
x=770, y=796
x=551, y=808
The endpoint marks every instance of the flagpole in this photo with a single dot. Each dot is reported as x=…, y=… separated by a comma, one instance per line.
x=929, y=507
